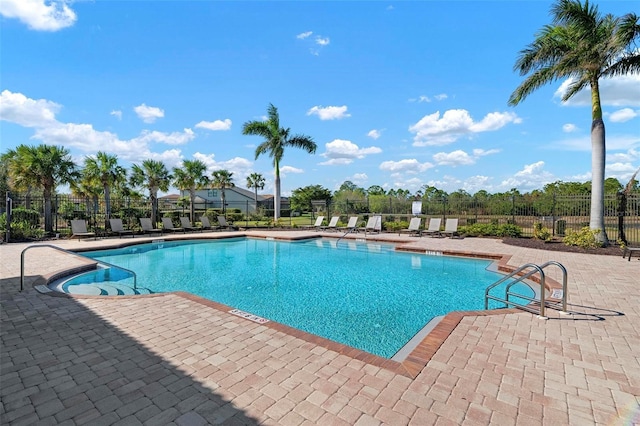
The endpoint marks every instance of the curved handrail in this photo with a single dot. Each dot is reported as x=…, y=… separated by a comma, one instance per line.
x=520, y=278
x=135, y=277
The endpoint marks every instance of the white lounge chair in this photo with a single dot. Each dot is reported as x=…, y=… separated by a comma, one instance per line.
x=351, y=225
x=333, y=224
x=79, y=229
x=186, y=225
x=316, y=225
x=167, y=224
x=434, y=227
x=147, y=226
x=374, y=224
x=414, y=227
x=118, y=228
x=450, y=227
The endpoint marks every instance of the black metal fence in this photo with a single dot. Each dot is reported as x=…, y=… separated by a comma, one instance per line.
x=556, y=212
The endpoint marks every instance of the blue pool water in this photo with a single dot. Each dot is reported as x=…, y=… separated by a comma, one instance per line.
x=363, y=295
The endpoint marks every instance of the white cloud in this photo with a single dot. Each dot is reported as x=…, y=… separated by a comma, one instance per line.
x=476, y=183
x=285, y=170
x=341, y=152
x=435, y=130
x=39, y=15
x=316, y=43
x=117, y=114
x=405, y=166
x=240, y=167
x=148, y=114
x=454, y=158
x=330, y=112
x=532, y=176
x=40, y=114
x=215, y=125
x=374, y=134
x=614, y=142
x=622, y=115
x=424, y=98
x=630, y=156
x=359, y=178
x=569, y=128
x=616, y=91
x=27, y=112
x=174, y=138
x=461, y=158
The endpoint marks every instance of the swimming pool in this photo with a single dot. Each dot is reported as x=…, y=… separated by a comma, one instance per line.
x=364, y=295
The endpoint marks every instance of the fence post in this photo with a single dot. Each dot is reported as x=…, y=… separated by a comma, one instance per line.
x=9, y=206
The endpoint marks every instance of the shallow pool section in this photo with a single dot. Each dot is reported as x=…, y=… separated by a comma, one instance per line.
x=364, y=295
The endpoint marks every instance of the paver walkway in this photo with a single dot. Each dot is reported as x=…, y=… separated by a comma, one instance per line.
x=168, y=359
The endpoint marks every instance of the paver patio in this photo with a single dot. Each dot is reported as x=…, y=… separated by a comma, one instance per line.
x=169, y=359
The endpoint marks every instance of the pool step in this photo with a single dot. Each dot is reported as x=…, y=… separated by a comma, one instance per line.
x=105, y=288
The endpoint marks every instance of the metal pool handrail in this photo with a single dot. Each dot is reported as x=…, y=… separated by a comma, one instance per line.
x=135, y=277
x=539, y=270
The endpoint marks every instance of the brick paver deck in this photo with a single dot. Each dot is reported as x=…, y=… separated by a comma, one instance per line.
x=171, y=359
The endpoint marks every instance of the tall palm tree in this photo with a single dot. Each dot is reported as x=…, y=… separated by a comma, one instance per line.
x=104, y=168
x=223, y=179
x=88, y=189
x=191, y=176
x=154, y=176
x=582, y=45
x=255, y=181
x=44, y=167
x=276, y=139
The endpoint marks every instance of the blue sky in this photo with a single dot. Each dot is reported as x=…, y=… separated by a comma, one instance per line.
x=397, y=94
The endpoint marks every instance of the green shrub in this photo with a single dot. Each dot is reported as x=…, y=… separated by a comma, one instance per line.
x=509, y=230
x=32, y=217
x=491, y=230
x=585, y=238
x=395, y=226
x=540, y=232
x=23, y=230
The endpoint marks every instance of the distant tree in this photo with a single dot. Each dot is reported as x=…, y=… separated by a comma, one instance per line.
x=301, y=197
x=612, y=186
x=154, y=176
x=584, y=46
x=223, y=179
x=276, y=139
x=376, y=190
x=45, y=167
x=90, y=190
x=104, y=169
x=191, y=177
x=255, y=181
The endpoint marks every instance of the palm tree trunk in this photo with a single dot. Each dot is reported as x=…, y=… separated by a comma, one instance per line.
x=276, y=199
x=255, y=198
x=154, y=208
x=48, y=221
x=598, y=153
x=597, y=180
x=192, y=207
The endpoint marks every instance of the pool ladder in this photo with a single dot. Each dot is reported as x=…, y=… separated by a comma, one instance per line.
x=520, y=275
x=135, y=277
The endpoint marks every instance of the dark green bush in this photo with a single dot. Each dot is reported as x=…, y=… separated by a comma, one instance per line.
x=32, y=217
x=490, y=230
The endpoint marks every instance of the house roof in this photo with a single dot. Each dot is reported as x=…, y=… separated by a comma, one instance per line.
x=169, y=197
x=242, y=191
